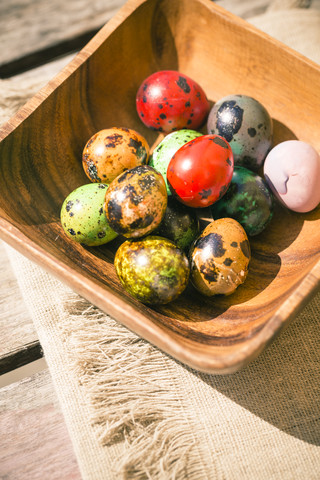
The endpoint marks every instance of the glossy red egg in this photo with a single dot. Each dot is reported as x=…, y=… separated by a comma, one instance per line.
x=168, y=100
x=200, y=172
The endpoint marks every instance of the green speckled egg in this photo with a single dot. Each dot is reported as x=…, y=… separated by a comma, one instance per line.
x=153, y=269
x=163, y=153
x=220, y=257
x=248, y=200
x=180, y=224
x=83, y=218
x=135, y=201
x=246, y=125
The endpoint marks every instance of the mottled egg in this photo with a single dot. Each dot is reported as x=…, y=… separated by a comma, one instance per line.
x=136, y=201
x=83, y=218
x=180, y=224
x=168, y=100
x=201, y=170
x=163, y=153
x=219, y=258
x=153, y=270
x=246, y=125
x=248, y=200
x=292, y=170
x=110, y=152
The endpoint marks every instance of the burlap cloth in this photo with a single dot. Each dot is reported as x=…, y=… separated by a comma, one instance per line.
x=133, y=412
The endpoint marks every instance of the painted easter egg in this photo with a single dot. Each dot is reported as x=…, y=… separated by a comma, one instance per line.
x=246, y=125
x=220, y=257
x=111, y=151
x=180, y=224
x=248, y=200
x=163, y=153
x=153, y=269
x=83, y=218
x=136, y=201
x=169, y=100
x=292, y=170
x=200, y=172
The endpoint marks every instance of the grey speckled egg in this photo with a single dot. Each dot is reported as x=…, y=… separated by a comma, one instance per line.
x=163, y=153
x=246, y=125
x=83, y=218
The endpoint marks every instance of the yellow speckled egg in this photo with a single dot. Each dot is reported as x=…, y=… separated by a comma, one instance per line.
x=110, y=152
x=220, y=257
x=136, y=201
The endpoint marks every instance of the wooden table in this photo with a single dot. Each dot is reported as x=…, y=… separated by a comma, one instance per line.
x=33, y=436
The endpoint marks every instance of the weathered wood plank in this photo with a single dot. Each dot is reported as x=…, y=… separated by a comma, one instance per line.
x=18, y=339
x=50, y=28
x=33, y=436
x=19, y=343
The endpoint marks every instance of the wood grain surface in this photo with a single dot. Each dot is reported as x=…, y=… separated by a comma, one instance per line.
x=34, y=440
x=97, y=90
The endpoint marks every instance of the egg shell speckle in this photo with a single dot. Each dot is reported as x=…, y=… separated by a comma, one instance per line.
x=83, y=218
x=111, y=151
x=248, y=200
x=153, y=270
x=292, y=170
x=246, y=125
x=163, y=153
x=136, y=201
x=220, y=257
x=169, y=100
x=180, y=224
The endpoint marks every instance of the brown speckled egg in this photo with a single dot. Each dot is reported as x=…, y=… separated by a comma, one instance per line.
x=136, y=201
x=220, y=257
x=110, y=152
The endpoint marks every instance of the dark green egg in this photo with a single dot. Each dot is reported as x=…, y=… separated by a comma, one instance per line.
x=248, y=200
x=153, y=269
x=180, y=224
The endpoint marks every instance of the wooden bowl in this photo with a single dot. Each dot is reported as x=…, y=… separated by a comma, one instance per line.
x=41, y=152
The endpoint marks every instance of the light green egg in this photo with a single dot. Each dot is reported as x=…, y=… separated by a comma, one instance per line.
x=163, y=153
x=83, y=218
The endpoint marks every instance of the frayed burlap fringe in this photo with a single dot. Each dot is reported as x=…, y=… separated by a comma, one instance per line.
x=130, y=396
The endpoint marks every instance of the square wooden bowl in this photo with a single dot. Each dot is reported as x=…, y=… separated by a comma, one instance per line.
x=40, y=161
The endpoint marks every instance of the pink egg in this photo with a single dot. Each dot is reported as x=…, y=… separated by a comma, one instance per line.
x=292, y=170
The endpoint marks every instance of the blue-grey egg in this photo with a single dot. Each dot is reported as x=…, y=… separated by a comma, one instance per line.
x=246, y=125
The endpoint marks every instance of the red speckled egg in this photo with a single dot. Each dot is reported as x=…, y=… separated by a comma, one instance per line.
x=168, y=101
x=200, y=172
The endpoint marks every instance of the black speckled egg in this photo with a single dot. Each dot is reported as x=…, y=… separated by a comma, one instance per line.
x=180, y=224
x=111, y=151
x=246, y=125
x=220, y=257
x=83, y=218
x=136, y=201
x=153, y=269
x=248, y=200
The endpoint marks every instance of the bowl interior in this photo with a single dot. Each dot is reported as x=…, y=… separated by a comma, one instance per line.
x=41, y=158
